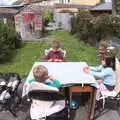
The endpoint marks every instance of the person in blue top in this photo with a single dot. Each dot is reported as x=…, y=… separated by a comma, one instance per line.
x=105, y=72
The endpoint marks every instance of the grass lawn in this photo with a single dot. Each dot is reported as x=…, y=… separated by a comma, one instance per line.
x=22, y=59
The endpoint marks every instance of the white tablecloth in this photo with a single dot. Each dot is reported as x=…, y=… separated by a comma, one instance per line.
x=66, y=72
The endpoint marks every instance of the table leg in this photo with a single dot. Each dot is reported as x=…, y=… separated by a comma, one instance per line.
x=93, y=104
x=88, y=106
x=68, y=95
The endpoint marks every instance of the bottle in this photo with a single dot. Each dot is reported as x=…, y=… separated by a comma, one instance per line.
x=74, y=105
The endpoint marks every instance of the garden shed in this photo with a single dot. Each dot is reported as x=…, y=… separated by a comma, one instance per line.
x=29, y=22
x=8, y=14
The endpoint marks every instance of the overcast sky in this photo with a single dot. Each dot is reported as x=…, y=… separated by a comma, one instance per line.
x=8, y=2
x=108, y=0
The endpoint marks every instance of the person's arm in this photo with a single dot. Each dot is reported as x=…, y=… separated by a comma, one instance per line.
x=32, y=80
x=48, y=57
x=101, y=74
x=56, y=83
x=98, y=68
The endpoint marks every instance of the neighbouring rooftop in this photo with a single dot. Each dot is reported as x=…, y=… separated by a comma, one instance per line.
x=104, y=6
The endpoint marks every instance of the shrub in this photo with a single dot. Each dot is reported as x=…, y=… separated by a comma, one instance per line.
x=92, y=29
x=48, y=16
x=9, y=39
x=81, y=25
x=4, y=48
x=117, y=6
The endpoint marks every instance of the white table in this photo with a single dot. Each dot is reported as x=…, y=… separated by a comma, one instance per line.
x=66, y=72
x=71, y=73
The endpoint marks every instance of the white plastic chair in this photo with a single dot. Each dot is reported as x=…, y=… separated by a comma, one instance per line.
x=114, y=94
x=109, y=95
x=48, y=50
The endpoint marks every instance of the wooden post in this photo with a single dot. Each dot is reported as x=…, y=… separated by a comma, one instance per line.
x=5, y=20
x=117, y=87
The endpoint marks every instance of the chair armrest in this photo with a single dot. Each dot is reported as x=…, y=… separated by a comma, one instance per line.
x=64, y=52
x=46, y=95
x=46, y=52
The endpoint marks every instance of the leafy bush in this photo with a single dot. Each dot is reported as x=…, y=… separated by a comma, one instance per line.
x=81, y=25
x=9, y=39
x=111, y=46
x=117, y=6
x=92, y=29
x=48, y=16
x=80, y=22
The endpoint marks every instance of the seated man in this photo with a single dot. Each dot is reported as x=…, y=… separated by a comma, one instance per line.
x=55, y=53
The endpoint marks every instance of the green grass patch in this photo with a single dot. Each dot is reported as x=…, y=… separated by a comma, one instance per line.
x=23, y=59
x=77, y=50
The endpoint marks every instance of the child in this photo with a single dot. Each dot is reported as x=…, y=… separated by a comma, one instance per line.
x=40, y=74
x=55, y=53
x=106, y=72
x=40, y=109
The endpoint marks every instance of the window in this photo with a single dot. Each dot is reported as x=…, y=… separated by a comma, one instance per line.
x=61, y=1
x=64, y=1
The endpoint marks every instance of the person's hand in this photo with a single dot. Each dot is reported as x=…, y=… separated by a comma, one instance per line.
x=86, y=69
x=50, y=60
x=58, y=60
x=51, y=77
x=55, y=60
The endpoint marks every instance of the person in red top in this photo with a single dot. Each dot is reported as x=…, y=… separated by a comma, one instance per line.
x=55, y=53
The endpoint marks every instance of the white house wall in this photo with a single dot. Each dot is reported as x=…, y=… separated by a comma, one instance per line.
x=63, y=19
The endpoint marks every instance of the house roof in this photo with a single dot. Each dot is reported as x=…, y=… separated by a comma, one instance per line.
x=72, y=6
x=31, y=7
x=8, y=10
x=12, y=6
x=33, y=1
x=104, y=6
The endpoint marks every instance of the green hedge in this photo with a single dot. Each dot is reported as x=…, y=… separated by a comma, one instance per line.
x=92, y=29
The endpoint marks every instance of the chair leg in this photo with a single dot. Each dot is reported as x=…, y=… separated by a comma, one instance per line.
x=11, y=110
x=19, y=98
x=12, y=103
x=103, y=102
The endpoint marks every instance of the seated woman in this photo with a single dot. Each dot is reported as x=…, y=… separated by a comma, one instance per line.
x=105, y=72
x=55, y=53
